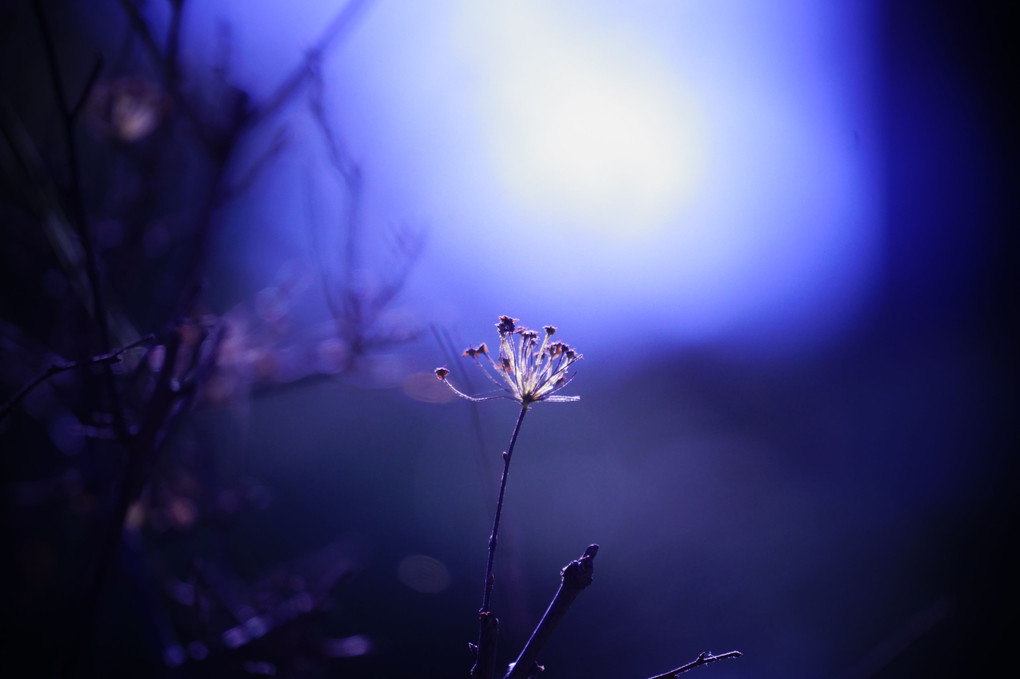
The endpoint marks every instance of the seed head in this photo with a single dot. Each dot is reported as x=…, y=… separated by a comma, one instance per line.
x=525, y=370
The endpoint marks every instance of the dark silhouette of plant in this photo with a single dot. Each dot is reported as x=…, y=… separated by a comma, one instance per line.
x=530, y=372
x=109, y=209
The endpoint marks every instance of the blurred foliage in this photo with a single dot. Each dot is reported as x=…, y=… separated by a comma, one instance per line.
x=118, y=162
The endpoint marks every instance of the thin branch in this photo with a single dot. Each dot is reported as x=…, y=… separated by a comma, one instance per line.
x=575, y=576
x=245, y=117
x=702, y=659
x=319, y=251
x=141, y=29
x=78, y=210
x=343, y=20
x=63, y=366
x=265, y=159
x=407, y=248
x=173, y=43
x=138, y=445
x=349, y=173
x=90, y=84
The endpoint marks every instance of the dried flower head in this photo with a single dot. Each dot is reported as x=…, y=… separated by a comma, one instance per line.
x=526, y=370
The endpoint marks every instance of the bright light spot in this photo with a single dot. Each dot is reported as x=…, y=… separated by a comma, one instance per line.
x=585, y=129
x=703, y=171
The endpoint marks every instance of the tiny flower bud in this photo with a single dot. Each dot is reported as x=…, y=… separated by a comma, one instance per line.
x=505, y=325
x=441, y=373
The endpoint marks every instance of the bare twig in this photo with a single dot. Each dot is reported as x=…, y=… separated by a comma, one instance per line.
x=139, y=446
x=42, y=197
x=407, y=246
x=90, y=83
x=265, y=159
x=575, y=576
x=141, y=29
x=67, y=115
x=244, y=117
x=173, y=44
x=63, y=366
x=355, y=312
x=350, y=174
x=343, y=20
x=703, y=659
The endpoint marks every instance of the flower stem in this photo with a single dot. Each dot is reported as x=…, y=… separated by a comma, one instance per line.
x=487, y=592
x=488, y=624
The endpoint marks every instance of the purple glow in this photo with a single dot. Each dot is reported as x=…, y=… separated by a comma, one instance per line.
x=733, y=195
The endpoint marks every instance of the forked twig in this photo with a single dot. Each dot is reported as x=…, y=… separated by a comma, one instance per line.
x=341, y=23
x=703, y=659
x=63, y=366
x=575, y=576
x=264, y=160
x=68, y=116
x=86, y=91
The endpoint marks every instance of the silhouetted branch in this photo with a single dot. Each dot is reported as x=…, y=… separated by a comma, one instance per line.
x=63, y=366
x=139, y=447
x=343, y=20
x=150, y=402
x=575, y=576
x=78, y=211
x=265, y=159
x=355, y=311
x=243, y=117
x=407, y=246
x=702, y=659
x=349, y=173
x=173, y=43
x=41, y=196
x=90, y=84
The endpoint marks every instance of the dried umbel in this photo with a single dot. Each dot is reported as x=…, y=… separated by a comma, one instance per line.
x=525, y=370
